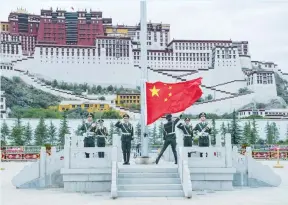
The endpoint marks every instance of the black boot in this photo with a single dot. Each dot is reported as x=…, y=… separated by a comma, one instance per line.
x=124, y=158
x=175, y=157
x=128, y=158
x=87, y=155
x=189, y=154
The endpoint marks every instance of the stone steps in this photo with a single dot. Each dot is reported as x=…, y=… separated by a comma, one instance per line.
x=151, y=193
x=137, y=187
x=149, y=181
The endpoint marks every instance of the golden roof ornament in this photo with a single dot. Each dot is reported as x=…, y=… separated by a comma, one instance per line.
x=21, y=11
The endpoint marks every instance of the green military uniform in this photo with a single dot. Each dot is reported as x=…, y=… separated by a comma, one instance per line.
x=127, y=133
x=188, y=134
x=101, y=134
x=89, y=129
x=169, y=137
x=203, y=131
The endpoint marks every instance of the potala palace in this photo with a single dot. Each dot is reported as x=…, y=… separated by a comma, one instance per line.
x=83, y=46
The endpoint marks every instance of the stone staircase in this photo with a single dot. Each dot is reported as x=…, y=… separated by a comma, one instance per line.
x=149, y=181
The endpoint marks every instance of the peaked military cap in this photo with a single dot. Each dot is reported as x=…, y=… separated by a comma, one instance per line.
x=187, y=119
x=168, y=116
x=202, y=114
x=126, y=115
x=100, y=120
x=90, y=115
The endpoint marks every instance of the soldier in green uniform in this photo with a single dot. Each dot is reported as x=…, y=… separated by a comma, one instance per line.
x=203, y=131
x=101, y=134
x=127, y=133
x=188, y=133
x=88, y=129
x=169, y=137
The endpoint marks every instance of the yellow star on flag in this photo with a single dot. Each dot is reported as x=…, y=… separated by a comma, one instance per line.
x=154, y=91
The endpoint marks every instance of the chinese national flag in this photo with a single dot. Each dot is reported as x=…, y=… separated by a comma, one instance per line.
x=163, y=98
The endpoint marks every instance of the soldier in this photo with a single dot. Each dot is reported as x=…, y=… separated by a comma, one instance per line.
x=101, y=134
x=203, y=131
x=127, y=133
x=88, y=128
x=188, y=133
x=169, y=137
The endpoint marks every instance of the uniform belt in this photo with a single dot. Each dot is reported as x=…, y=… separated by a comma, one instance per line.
x=125, y=133
x=100, y=135
x=170, y=133
x=187, y=135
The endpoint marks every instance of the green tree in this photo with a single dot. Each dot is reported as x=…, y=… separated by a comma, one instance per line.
x=138, y=131
x=63, y=129
x=223, y=129
x=160, y=131
x=209, y=97
x=111, y=114
x=214, y=132
x=228, y=128
x=17, y=133
x=110, y=88
x=99, y=89
x=54, y=84
x=28, y=134
x=269, y=134
x=246, y=132
x=254, y=136
x=52, y=134
x=275, y=132
x=40, y=134
x=236, y=131
x=4, y=133
x=154, y=134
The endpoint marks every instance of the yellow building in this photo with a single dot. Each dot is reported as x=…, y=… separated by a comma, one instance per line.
x=127, y=98
x=89, y=106
x=4, y=26
x=116, y=30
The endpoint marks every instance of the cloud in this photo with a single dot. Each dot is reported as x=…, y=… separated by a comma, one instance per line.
x=262, y=23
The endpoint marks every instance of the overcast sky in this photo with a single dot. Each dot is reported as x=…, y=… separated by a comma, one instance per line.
x=261, y=22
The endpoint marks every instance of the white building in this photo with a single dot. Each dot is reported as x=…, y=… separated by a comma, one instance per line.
x=3, y=106
x=270, y=114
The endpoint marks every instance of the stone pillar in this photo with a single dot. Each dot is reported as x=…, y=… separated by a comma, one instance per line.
x=228, y=150
x=42, y=166
x=218, y=141
x=67, y=147
x=116, y=142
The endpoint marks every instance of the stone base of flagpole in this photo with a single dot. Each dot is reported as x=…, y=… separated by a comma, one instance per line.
x=144, y=160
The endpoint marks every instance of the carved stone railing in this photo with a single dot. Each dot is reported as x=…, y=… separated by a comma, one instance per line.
x=213, y=156
x=75, y=156
x=38, y=174
x=250, y=172
x=184, y=172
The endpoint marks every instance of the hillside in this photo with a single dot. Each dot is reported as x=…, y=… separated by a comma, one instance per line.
x=20, y=94
x=282, y=87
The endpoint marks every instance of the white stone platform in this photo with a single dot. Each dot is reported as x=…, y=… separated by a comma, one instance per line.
x=259, y=196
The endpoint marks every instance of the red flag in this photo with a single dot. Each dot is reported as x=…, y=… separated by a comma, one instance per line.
x=163, y=98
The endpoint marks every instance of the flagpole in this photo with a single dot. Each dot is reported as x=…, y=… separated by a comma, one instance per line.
x=143, y=65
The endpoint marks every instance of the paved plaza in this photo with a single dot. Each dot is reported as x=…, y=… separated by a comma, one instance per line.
x=254, y=196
